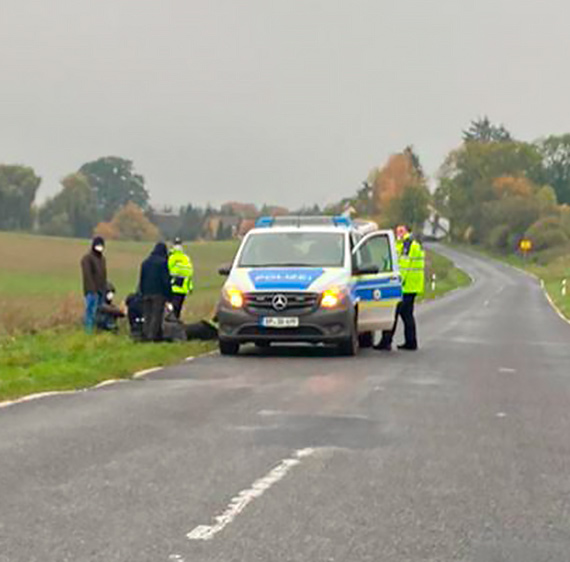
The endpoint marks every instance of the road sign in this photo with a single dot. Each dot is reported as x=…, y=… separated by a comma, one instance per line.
x=525, y=245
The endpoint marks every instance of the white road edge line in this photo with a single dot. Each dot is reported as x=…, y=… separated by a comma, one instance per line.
x=37, y=396
x=145, y=372
x=552, y=303
x=245, y=497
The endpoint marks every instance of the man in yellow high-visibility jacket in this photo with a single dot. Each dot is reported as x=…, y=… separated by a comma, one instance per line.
x=412, y=269
x=182, y=275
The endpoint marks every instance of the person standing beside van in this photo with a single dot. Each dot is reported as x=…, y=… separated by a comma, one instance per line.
x=182, y=273
x=411, y=258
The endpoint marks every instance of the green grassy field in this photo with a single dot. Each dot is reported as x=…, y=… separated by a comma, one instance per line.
x=42, y=345
x=40, y=280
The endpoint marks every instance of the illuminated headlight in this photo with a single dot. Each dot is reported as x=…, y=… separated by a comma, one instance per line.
x=331, y=298
x=234, y=297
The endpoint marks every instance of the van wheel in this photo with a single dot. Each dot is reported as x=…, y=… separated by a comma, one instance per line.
x=366, y=340
x=228, y=347
x=349, y=346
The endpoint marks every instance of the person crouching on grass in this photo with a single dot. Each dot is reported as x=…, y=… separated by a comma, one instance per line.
x=94, y=273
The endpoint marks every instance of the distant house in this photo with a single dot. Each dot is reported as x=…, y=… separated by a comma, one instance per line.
x=221, y=226
x=168, y=222
x=245, y=226
x=244, y=210
x=436, y=227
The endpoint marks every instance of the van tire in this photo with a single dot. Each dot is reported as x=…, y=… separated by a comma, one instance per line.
x=228, y=347
x=349, y=346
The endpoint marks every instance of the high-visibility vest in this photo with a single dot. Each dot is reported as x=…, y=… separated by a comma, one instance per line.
x=181, y=272
x=411, y=258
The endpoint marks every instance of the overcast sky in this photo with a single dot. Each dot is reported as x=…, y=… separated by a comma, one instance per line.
x=284, y=101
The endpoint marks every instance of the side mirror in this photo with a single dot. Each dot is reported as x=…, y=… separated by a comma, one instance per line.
x=225, y=270
x=367, y=270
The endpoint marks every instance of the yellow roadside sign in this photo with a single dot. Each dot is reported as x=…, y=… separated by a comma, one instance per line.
x=525, y=245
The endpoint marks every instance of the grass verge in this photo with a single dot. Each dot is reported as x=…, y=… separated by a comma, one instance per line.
x=447, y=276
x=67, y=360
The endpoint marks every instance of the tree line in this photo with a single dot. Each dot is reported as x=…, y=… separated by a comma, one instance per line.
x=108, y=197
x=494, y=189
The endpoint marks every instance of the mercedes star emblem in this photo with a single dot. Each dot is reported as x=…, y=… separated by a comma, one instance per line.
x=279, y=302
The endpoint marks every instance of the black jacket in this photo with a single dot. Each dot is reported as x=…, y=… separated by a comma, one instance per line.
x=155, y=277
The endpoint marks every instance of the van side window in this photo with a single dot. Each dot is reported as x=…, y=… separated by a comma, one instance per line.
x=376, y=251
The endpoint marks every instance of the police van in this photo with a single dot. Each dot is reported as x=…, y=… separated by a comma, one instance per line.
x=320, y=280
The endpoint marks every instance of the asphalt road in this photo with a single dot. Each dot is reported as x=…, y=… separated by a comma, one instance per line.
x=459, y=452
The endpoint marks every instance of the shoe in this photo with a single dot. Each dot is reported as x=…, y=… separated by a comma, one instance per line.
x=383, y=347
x=408, y=347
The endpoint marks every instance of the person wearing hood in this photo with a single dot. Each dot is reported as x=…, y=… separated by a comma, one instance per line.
x=156, y=290
x=94, y=273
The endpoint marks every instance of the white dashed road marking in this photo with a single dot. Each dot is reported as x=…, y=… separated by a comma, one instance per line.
x=245, y=497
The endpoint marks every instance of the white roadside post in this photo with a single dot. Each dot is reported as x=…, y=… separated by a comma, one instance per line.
x=564, y=287
x=433, y=278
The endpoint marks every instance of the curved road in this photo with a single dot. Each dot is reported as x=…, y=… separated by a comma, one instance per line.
x=459, y=452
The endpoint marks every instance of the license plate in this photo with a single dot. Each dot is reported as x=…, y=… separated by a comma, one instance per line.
x=280, y=322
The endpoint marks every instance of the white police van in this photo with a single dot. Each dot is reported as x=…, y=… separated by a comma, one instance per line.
x=310, y=279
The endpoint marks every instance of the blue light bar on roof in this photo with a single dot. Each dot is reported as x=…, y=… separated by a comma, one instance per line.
x=342, y=221
x=322, y=220
x=264, y=222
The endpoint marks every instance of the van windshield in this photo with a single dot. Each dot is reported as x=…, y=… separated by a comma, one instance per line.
x=293, y=249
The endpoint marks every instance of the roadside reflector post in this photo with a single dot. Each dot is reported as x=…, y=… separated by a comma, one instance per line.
x=564, y=287
x=433, y=278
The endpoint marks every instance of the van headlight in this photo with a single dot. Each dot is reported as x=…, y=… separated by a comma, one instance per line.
x=331, y=298
x=234, y=297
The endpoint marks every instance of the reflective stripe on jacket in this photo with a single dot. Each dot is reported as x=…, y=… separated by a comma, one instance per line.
x=412, y=265
x=181, y=272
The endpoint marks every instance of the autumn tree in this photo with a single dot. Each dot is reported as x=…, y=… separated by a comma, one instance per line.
x=391, y=180
x=129, y=223
x=470, y=177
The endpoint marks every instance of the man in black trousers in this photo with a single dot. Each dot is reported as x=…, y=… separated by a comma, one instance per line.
x=156, y=290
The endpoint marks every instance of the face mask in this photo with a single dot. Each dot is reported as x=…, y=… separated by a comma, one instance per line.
x=177, y=248
x=110, y=296
x=99, y=248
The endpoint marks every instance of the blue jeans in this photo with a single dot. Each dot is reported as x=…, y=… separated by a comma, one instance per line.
x=92, y=303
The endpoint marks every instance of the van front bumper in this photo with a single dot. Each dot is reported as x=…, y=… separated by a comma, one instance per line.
x=319, y=326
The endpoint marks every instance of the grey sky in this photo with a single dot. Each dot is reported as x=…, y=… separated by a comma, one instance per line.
x=285, y=101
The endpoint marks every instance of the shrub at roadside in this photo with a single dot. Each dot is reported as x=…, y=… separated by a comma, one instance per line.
x=547, y=233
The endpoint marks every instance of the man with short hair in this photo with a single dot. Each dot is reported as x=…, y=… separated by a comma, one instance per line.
x=94, y=273
x=182, y=273
x=412, y=265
